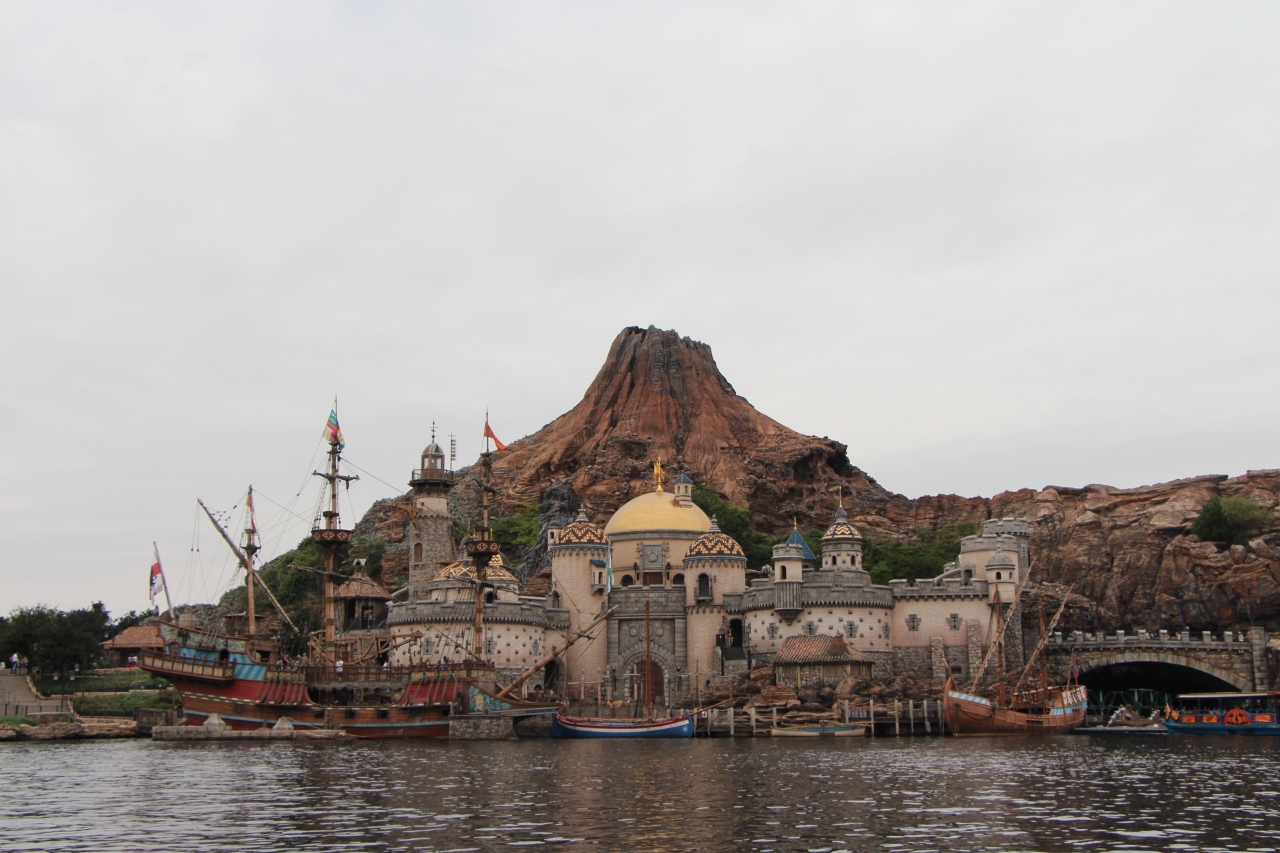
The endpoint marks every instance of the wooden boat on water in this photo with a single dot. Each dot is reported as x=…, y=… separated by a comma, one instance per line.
x=818, y=731
x=577, y=727
x=1048, y=710
x=1225, y=714
x=1056, y=710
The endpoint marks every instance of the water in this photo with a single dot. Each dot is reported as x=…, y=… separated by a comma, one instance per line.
x=1068, y=793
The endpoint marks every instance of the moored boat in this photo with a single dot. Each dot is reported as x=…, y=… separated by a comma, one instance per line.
x=579, y=727
x=818, y=731
x=1225, y=714
x=1055, y=710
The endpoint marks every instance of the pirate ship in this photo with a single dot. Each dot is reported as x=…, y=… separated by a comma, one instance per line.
x=343, y=682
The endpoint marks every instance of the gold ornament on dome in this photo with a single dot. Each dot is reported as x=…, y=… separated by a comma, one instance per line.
x=657, y=473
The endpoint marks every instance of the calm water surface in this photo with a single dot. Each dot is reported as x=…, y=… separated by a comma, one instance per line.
x=1075, y=792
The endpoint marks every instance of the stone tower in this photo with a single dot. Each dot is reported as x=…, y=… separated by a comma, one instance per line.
x=430, y=529
x=842, y=545
x=579, y=582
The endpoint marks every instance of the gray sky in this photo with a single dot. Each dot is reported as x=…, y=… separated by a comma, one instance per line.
x=988, y=246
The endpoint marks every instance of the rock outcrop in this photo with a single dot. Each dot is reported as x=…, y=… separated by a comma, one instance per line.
x=1126, y=554
x=659, y=395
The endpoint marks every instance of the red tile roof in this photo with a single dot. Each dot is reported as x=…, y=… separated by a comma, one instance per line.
x=818, y=648
x=137, y=637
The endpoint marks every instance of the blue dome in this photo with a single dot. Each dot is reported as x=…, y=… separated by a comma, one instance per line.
x=796, y=539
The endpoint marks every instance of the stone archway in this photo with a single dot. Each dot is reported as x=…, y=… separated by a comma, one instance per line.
x=1088, y=663
x=661, y=676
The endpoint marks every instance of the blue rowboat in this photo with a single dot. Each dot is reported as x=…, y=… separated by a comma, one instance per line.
x=566, y=727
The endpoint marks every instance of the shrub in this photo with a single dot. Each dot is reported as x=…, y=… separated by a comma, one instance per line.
x=923, y=558
x=517, y=532
x=1231, y=520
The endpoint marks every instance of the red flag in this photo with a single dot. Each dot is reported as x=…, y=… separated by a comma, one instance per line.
x=488, y=433
x=157, y=580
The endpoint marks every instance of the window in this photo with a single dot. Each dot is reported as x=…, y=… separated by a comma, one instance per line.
x=955, y=621
x=417, y=552
x=782, y=573
x=704, y=586
x=773, y=630
x=554, y=599
x=677, y=580
x=913, y=622
x=627, y=580
x=488, y=645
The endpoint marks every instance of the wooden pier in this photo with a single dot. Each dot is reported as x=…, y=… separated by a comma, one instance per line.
x=884, y=719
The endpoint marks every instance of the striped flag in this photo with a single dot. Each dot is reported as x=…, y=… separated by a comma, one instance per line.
x=333, y=432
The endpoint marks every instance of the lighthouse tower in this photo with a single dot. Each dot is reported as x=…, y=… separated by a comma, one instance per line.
x=430, y=528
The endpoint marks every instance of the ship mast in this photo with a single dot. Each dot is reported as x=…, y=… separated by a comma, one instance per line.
x=331, y=536
x=482, y=548
x=250, y=548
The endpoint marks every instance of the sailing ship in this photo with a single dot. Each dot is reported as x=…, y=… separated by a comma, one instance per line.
x=1050, y=709
x=344, y=683
x=647, y=727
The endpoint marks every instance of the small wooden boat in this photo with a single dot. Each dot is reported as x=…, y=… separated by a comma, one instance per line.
x=1127, y=718
x=819, y=731
x=1226, y=714
x=576, y=727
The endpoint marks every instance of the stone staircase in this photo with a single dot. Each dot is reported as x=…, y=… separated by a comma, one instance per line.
x=18, y=700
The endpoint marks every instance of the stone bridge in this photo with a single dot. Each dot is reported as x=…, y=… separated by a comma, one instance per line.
x=1238, y=659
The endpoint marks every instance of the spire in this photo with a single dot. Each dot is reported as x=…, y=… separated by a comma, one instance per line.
x=715, y=528
x=582, y=513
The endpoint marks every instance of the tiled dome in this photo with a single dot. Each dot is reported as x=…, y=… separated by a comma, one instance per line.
x=713, y=543
x=581, y=532
x=1000, y=560
x=841, y=528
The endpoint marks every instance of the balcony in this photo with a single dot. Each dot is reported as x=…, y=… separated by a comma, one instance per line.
x=430, y=475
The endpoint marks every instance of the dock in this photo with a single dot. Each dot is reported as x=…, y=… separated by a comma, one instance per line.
x=886, y=719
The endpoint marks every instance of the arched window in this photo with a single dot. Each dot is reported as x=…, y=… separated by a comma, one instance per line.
x=417, y=552
x=488, y=597
x=997, y=576
x=677, y=580
x=704, y=586
x=554, y=599
x=782, y=573
x=627, y=580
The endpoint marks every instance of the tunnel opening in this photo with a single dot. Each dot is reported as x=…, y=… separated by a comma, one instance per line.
x=1146, y=687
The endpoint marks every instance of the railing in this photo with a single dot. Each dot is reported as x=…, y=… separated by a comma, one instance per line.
x=419, y=475
x=212, y=670
x=1162, y=636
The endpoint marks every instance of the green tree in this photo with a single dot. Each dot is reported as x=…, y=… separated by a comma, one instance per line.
x=56, y=641
x=519, y=531
x=923, y=558
x=129, y=620
x=736, y=522
x=1231, y=520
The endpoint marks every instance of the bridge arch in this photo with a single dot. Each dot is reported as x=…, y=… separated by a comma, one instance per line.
x=1137, y=657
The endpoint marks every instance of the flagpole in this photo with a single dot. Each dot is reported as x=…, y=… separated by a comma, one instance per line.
x=163, y=580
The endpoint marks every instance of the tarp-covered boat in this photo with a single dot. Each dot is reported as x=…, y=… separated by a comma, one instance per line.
x=576, y=727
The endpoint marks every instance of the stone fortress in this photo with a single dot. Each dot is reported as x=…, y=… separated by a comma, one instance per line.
x=675, y=589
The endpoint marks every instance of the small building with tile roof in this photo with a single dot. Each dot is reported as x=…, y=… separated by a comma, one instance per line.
x=809, y=662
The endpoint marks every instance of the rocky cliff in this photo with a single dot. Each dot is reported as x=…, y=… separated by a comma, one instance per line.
x=1127, y=553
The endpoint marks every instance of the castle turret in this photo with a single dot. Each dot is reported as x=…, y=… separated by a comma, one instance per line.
x=579, y=579
x=430, y=529
x=790, y=559
x=714, y=565
x=683, y=489
x=842, y=545
x=1002, y=577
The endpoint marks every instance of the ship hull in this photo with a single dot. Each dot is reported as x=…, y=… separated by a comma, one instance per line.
x=820, y=731
x=970, y=716
x=571, y=727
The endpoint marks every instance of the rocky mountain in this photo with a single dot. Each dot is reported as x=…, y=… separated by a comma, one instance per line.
x=1127, y=554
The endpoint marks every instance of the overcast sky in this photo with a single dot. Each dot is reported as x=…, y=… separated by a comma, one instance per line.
x=987, y=246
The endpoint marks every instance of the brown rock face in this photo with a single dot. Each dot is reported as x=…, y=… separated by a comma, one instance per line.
x=659, y=395
x=1126, y=552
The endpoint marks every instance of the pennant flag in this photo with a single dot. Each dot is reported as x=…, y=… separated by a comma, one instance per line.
x=157, y=580
x=333, y=432
x=488, y=433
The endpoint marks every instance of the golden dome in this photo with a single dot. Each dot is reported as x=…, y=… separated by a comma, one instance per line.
x=657, y=511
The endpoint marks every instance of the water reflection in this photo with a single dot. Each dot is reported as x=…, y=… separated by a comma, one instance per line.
x=899, y=795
